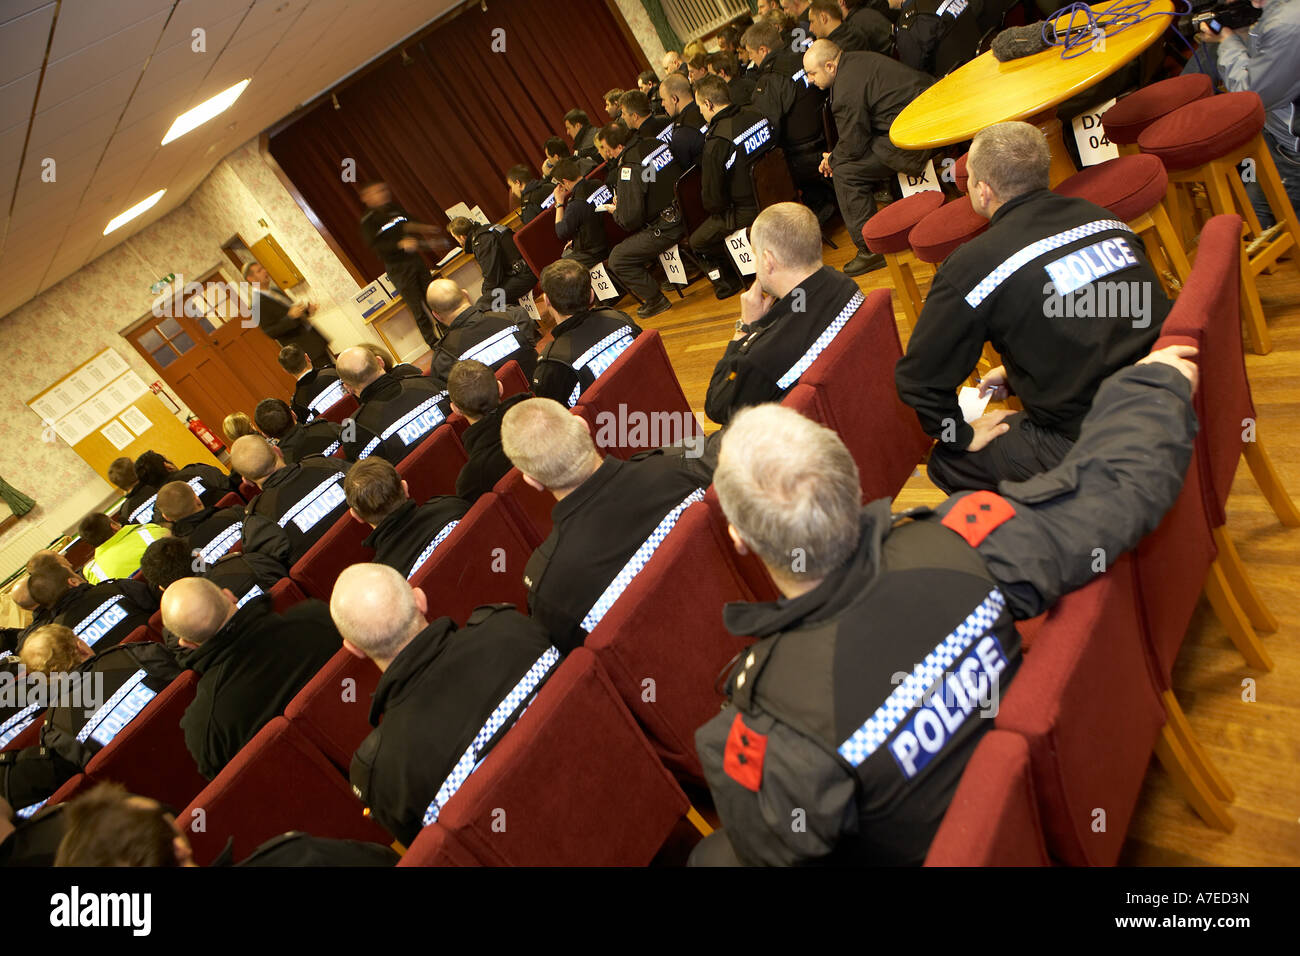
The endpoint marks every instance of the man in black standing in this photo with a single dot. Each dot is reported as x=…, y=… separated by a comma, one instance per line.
x=389, y=231
x=283, y=319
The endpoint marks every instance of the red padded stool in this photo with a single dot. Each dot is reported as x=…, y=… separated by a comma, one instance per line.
x=1203, y=143
x=887, y=233
x=1126, y=120
x=961, y=175
x=1133, y=188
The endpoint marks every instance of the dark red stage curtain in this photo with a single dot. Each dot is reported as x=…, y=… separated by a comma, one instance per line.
x=447, y=127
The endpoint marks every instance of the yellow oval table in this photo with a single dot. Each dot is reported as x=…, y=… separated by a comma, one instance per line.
x=984, y=91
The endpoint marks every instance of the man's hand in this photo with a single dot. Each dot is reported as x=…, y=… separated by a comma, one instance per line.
x=547, y=165
x=994, y=384
x=825, y=167
x=1209, y=36
x=297, y=310
x=988, y=427
x=1177, y=357
x=560, y=193
x=408, y=244
x=754, y=304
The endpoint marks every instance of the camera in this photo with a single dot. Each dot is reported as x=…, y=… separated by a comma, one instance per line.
x=1234, y=16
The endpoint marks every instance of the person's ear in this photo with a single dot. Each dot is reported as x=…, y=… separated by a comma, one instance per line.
x=230, y=595
x=421, y=601
x=188, y=645
x=532, y=482
x=405, y=490
x=737, y=541
x=458, y=410
x=354, y=650
x=501, y=389
x=356, y=517
x=184, y=854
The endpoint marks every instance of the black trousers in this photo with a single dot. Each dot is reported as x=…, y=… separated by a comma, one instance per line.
x=855, y=187
x=1026, y=450
x=818, y=194
x=631, y=259
x=411, y=284
x=516, y=286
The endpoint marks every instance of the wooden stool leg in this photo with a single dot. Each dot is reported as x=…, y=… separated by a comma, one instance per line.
x=1230, y=614
x=1172, y=246
x=909, y=296
x=1244, y=205
x=1278, y=201
x=1194, y=788
x=1252, y=311
x=1218, y=173
x=1177, y=722
x=1243, y=589
x=1270, y=483
x=1179, y=205
x=698, y=821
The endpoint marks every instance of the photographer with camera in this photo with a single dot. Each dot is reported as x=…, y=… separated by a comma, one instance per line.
x=1263, y=58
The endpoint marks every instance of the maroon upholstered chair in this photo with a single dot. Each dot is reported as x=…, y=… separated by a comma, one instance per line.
x=140, y=635
x=887, y=233
x=29, y=731
x=247, y=490
x=993, y=818
x=432, y=468
x=1125, y=121
x=276, y=783
x=317, y=570
x=538, y=243
x=939, y=234
x=960, y=174
x=231, y=500
x=530, y=508
x=285, y=594
x=333, y=709
x=341, y=410
x=436, y=847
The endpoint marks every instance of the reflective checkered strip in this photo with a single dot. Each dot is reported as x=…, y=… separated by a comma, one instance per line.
x=309, y=499
x=493, y=348
x=429, y=405
x=470, y=759
x=638, y=561
x=601, y=356
x=16, y=724
x=253, y=592
x=140, y=517
x=823, y=340
x=438, y=539
x=989, y=284
x=144, y=533
x=868, y=738
x=222, y=543
x=131, y=683
x=331, y=449
x=101, y=620
x=28, y=812
x=327, y=399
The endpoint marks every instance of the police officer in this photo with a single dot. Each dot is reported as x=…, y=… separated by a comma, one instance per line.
x=390, y=232
x=577, y=223
x=251, y=662
x=506, y=276
x=868, y=91
x=937, y=36
x=644, y=177
x=476, y=394
x=639, y=117
x=316, y=389
x=793, y=105
x=438, y=689
x=117, y=547
x=689, y=125
x=210, y=531
x=579, y=128
x=100, y=614
x=406, y=533
x=209, y=482
x=493, y=338
x=737, y=137
x=531, y=195
x=276, y=420
x=298, y=503
x=121, y=472
x=1037, y=284
x=820, y=726
x=394, y=416
x=284, y=320
x=584, y=341
x=606, y=513
x=868, y=31
x=740, y=85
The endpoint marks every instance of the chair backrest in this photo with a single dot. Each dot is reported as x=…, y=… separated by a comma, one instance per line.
x=771, y=179
x=993, y=817
x=340, y=410
x=850, y=389
x=432, y=468
x=436, y=847
x=140, y=635
x=637, y=403
x=690, y=199
x=339, y=547
x=512, y=379
x=285, y=594
x=276, y=783
x=663, y=643
x=69, y=789
x=247, y=490
x=148, y=756
x=481, y=562
x=530, y=508
x=1085, y=703
x=230, y=500
x=575, y=779
x=537, y=241
x=333, y=708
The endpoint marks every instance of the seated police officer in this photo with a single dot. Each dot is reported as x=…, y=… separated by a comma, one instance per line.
x=210, y=483
x=643, y=178
x=531, y=194
x=99, y=692
x=647, y=81
x=506, y=276
x=100, y=614
x=439, y=687
x=406, y=532
x=579, y=129
x=606, y=512
x=298, y=503
x=394, y=416
x=211, y=532
x=737, y=137
x=577, y=223
x=138, y=505
x=276, y=420
x=11, y=638
x=117, y=547
x=689, y=125
x=469, y=332
x=794, y=300
x=937, y=36
x=739, y=85
x=477, y=395
x=639, y=116
x=1062, y=290
x=584, y=340
x=251, y=662
x=869, y=30
x=867, y=764
x=317, y=389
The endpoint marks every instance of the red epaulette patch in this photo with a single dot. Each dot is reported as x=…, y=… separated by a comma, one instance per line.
x=975, y=516
x=743, y=758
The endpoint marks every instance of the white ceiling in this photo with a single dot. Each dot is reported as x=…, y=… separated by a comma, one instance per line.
x=94, y=84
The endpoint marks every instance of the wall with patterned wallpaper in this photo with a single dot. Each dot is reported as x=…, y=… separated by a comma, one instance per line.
x=73, y=320
x=647, y=37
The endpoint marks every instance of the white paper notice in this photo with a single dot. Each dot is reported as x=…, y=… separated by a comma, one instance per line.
x=531, y=307
x=911, y=185
x=672, y=263
x=601, y=284
x=136, y=420
x=115, y=432
x=742, y=254
x=1090, y=137
x=972, y=406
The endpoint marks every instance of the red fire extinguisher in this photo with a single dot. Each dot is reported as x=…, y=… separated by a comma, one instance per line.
x=200, y=430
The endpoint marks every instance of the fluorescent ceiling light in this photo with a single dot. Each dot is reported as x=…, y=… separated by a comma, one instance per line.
x=143, y=206
x=196, y=117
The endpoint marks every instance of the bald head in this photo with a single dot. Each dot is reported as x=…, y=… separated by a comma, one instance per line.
x=357, y=368
x=255, y=458
x=177, y=500
x=446, y=300
x=821, y=61
x=21, y=595
x=194, y=609
x=549, y=444
x=376, y=611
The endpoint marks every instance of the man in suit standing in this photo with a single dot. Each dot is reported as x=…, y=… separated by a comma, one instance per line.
x=283, y=319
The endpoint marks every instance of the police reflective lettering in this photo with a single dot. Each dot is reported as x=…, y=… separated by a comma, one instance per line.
x=758, y=135
x=19, y=722
x=329, y=397
x=660, y=158
x=1090, y=263
x=222, y=543
x=102, y=620
x=493, y=349
x=324, y=498
x=601, y=197
x=120, y=710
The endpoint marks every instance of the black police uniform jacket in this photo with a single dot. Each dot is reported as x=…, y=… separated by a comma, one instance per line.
x=501, y=261
x=581, y=348
x=488, y=462
x=584, y=144
x=868, y=31
x=321, y=437
x=382, y=228
x=533, y=199
x=102, y=614
x=999, y=288
x=211, y=532
x=869, y=92
x=433, y=699
x=790, y=102
x=936, y=36
x=765, y=364
x=395, y=415
x=297, y=505
x=644, y=179
x=597, y=529
x=246, y=576
x=819, y=718
x=131, y=675
x=407, y=538
x=210, y=483
x=316, y=392
x=139, y=500
x=686, y=135
x=582, y=224
x=249, y=671
x=493, y=338
x=737, y=137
